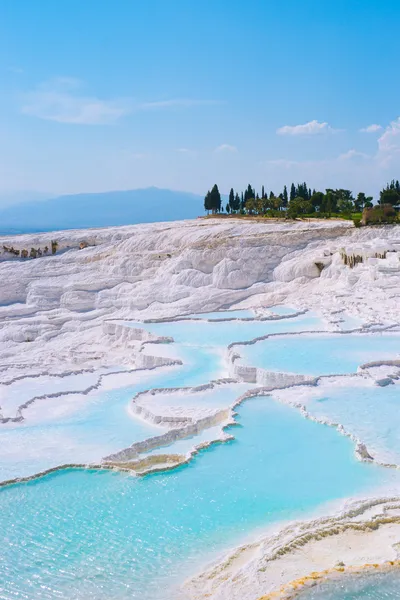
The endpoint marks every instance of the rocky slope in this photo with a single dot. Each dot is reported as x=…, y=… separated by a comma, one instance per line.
x=54, y=310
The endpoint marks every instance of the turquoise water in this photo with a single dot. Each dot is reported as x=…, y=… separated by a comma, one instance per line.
x=101, y=425
x=223, y=333
x=101, y=535
x=376, y=586
x=279, y=309
x=320, y=354
x=371, y=413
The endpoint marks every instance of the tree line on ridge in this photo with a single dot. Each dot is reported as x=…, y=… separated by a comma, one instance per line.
x=301, y=200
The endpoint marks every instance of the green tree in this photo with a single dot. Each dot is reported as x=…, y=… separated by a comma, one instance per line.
x=330, y=202
x=299, y=206
x=359, y=202
x=207, y=202
x=251, y=205
x=278, y=202
x=227, y=208
x=292, y=192
x=391, y=194
x=344, y=201
x=317, y=200
x=249, y=193
x=284, y=197
x=215, y=199
x=231, y=200
x=260, y=205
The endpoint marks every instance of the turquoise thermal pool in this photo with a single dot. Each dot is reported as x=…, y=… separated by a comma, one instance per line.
x=368, y=412
x=222, y=333
x=97, y=426
x=100, y=535
x=87, y=534
x=320, y=354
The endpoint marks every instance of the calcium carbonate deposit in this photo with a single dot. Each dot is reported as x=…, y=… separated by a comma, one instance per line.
x=200, y=409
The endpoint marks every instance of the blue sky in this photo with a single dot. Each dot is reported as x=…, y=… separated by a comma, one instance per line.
x=104, y=94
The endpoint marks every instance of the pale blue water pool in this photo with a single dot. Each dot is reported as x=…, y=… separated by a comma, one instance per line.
x=376, y=586
x=320, y=354
x=100, y=427
x=282, y=310
x=101, y=535
x=223, y=333
x=369, y=412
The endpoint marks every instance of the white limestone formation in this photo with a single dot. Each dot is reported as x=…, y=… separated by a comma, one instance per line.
x=67, y=314
x=55, y=310
x=363, y=535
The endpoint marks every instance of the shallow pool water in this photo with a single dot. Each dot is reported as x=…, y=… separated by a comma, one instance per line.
x=18, y=392
x=376, y=586
x=282, y=310
x=320, y=354
x=369, y=412
x=97, y=535
x=84, y=429
x=100, y=535
x=222, y=333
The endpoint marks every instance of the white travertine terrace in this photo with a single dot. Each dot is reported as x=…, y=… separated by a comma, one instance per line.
x=276, y=566
x=66, y=315
x=54, y=310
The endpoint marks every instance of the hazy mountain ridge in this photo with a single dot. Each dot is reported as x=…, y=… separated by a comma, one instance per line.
x=103, y=209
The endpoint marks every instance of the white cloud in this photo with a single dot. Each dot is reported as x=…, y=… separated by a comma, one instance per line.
x=311, y=128
x=350, y=154
x=225, y=148
x=390, y=138
x=61, y=100
x=371, y=128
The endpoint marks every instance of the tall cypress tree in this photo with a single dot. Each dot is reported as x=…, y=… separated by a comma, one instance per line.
x=293, y=192
x=236, y=206
x=262, y=192
x=249, y=193
x=231, y=199
x=207, y=202
x=215, y=199
x=284, y=197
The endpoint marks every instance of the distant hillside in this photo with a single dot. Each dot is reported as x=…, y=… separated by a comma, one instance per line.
x=101, y=210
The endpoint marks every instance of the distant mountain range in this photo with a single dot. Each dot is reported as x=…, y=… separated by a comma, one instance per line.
x=100, y=210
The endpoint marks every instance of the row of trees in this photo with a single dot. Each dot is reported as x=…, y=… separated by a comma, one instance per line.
x=300, y=200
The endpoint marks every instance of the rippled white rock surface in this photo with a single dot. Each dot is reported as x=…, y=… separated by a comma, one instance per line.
x=76, y=320
x=53, y=308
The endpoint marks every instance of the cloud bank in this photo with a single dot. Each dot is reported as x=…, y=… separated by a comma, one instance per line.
x=371, y=128
x=61, y=100
x=310, y=128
